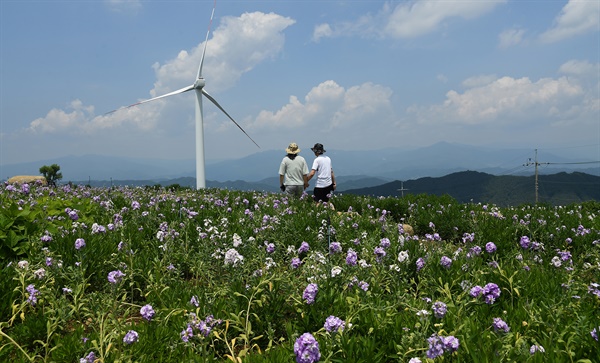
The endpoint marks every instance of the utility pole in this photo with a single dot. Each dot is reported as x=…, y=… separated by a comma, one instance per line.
x=535, y=162
x=402, y=188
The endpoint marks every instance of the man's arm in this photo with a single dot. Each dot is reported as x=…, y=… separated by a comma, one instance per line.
x=310, y=175
x=333, y=179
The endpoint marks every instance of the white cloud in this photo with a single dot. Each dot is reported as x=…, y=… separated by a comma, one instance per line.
x=407, y=19
x=80, y=119
x=238, y=45
x=510, y=37
x=580, y=68
x=505, y=101
x=576, y=18
x=479, y=81
x=330, y=106
x=321, y=31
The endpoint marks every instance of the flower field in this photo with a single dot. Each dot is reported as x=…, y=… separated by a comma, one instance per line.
x=149, y=274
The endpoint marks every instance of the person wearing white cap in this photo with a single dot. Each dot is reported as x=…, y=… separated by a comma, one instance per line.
x=293, y=172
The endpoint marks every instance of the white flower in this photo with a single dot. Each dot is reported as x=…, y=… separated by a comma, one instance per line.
x=23, y=264
x=403, y=256
x=237, y=240
x=39, y=273
x=232, y=257
x=556, y=261
x=363, y=264
x=336, y=270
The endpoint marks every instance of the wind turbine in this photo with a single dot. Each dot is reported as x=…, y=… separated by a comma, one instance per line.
x=198, y=88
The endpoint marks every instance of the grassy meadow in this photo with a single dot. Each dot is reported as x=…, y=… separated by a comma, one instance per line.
x=157, y=275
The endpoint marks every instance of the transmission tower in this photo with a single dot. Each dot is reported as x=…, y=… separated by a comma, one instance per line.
x=402, y=188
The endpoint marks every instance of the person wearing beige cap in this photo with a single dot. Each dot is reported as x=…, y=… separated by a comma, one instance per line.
x=293, y=172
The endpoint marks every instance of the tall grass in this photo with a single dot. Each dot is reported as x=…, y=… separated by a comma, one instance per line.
x=226, y=275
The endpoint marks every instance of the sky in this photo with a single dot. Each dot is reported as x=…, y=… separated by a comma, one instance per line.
x=352, y=75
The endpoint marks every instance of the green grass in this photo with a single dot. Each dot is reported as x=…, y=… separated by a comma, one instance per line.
x=175, y=245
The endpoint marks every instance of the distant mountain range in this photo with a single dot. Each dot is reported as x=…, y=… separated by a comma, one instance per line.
x=378, y=166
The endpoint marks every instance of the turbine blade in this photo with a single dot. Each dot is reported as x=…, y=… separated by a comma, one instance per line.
x=225, y=112
x=206, y=41
x=182, y=90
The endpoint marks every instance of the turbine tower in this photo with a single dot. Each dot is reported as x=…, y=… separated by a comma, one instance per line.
x=198, y=87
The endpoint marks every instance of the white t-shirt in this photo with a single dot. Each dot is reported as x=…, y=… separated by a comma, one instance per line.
x=322, y=167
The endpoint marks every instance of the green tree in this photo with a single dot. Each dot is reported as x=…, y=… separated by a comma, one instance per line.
x=51, y=173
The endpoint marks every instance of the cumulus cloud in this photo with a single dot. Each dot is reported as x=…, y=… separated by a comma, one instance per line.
x=238, y=45
x=407, y=19
x=80, y=119
x=577, y=17
x=330, y=106
x=504, y=101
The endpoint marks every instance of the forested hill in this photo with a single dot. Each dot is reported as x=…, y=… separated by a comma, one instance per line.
x=472, y=186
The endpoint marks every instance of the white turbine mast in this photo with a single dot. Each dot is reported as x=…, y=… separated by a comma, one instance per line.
x=198, y=87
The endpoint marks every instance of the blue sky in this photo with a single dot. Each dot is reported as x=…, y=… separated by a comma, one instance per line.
x=353, y=75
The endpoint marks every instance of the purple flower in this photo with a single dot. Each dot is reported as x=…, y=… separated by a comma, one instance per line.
x=334, y=324
x=451, y=343
x=536, y=348
x=351, y=257
x=490, y=247
x=476, y=291
x=500, y=325
x=304, y=247
x=310, y=293
x=306, y=349
x=474, y=251
x=385, y=243
x=491, y=292
x=115, y=276
x=79, y=243
x=131, y=337
x=90, y=358
x=335, y=247
x=296, y=262
x=73, y=215
x=439, y=345
x=439, y=309
x=446, y=261
x=379, y=253
x=420, y=263
x=524, y=242
x=46, y=238
x=594, y=333
x=364, y=286
x=194, y=301
x=33, y=294
x=187, y=333
x=147, y=312
x=436, y=347
x=270, y=247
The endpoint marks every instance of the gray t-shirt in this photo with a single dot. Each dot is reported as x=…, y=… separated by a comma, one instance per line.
x=293, y=170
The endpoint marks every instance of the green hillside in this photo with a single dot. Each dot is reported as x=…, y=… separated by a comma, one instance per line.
x=472, y=186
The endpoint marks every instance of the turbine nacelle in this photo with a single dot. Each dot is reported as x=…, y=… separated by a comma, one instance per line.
x=200, y=83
